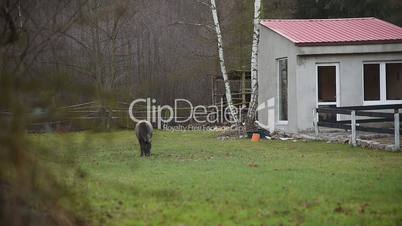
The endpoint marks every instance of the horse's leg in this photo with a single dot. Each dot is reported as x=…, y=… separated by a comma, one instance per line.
x=147, y=149
x=142, y=148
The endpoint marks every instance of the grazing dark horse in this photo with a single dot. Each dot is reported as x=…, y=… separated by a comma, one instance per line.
x=143, y=131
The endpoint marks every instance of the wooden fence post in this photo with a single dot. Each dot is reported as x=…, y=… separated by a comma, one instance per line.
x=315, y=120
x=397, y=133
x=353, y=119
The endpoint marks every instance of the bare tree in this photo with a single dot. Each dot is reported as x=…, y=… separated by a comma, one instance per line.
x=222, y=61
x=254, y=64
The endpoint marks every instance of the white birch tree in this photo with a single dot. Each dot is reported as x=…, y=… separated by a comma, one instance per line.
x=254, y=64
x=228, y=92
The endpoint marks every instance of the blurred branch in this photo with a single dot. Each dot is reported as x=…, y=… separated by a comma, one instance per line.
x=204, y=3
x=193, y=24
x=9, y=24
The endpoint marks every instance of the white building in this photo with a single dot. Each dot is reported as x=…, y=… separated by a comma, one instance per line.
x=341, y=62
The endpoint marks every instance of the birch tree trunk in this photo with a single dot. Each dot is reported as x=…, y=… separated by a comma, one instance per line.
x=19, y=14
x=254, y=65
x=228, y=93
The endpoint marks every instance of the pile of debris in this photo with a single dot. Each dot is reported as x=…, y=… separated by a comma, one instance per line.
x=365, y=140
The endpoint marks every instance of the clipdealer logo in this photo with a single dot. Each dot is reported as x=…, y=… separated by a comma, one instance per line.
x=181, y=112
x=184, y=111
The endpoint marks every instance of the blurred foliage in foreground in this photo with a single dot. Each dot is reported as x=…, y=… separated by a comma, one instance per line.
x=31, y=193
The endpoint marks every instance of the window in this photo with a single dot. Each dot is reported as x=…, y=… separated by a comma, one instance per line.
x=326, y=83
x=394, y=81
x=283, y=89
x=382, y=83
x=372, y=82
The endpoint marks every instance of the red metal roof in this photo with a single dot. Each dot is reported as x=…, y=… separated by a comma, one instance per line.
x=350, y=31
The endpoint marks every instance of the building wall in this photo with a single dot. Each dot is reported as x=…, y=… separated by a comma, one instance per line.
x=350, y=78
x=271, y=48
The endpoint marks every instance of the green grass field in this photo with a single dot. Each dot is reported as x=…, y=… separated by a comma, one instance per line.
x=195, y=179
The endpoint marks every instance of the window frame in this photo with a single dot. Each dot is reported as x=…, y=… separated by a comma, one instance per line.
x=278, y=121
x=337, y=102
x=383, y=84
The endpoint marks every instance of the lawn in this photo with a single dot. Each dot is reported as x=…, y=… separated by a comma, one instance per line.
x=195, y=179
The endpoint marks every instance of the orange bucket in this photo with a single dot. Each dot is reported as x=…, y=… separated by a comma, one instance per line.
x=256, y=137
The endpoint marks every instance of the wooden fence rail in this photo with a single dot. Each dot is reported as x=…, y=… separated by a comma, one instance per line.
x=93, y=114
x=354, y=124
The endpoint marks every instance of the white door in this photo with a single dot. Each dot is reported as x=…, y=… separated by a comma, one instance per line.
x=328, y=87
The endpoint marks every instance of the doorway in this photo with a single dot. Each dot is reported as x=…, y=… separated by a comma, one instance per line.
x=328, y=88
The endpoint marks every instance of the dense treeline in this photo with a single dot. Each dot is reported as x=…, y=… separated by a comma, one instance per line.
x=390, y=10
x=140, y=48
